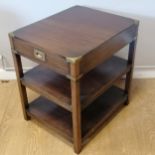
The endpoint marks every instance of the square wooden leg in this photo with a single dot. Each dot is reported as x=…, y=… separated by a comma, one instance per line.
x=76, y=108
x=131, y=56
x=76, y=116
x=19, y=74
x=22, y=89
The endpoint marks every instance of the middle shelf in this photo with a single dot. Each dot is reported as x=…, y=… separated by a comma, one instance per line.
x=57, y=88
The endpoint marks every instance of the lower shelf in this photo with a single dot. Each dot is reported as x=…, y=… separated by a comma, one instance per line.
x=93, y=117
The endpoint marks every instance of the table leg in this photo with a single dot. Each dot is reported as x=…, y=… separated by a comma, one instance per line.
x=76, y=109
x=131, y=56
x=19, y=74
x=22, y=89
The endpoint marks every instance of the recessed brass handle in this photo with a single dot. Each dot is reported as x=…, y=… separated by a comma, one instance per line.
x=40, y=55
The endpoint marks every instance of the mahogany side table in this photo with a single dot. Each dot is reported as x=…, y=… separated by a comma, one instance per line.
x=76, y=70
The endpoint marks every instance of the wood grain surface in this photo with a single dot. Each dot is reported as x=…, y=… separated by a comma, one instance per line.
x=78, y=33
x=57, y=88
x=131, y=132
x=73, y=32
x=94, y=117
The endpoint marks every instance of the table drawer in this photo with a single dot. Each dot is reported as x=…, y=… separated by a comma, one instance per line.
x=41, y=56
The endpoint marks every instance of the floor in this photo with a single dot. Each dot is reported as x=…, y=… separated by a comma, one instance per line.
x=131, y=132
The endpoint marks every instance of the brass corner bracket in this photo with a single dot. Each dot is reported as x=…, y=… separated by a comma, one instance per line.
x=73, y=59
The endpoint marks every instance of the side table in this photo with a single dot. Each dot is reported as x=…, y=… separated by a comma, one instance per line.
x=76, y=70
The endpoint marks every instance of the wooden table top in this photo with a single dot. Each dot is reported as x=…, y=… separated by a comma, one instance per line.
x=74, y=32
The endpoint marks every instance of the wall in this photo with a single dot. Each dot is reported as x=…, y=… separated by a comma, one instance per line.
x=15, y=14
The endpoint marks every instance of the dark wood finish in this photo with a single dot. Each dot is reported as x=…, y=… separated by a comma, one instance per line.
x=131, y=57
x=97, y=81
x=93, y=117
x=58, y=89
x=76, y=107
x=78, y=32
x=53, y=116
x=52, y=61
x=101, y=112
x=79, y=44
x=19, y=74
x=73, y=32
x=53, y=86
x=107, y=49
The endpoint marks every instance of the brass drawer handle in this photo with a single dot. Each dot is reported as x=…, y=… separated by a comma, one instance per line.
x=38, y=54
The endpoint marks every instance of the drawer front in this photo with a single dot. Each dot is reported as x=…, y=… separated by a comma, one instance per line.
x=40, y=56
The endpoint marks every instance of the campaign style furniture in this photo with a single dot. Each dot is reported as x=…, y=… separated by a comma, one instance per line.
x=76, y=70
